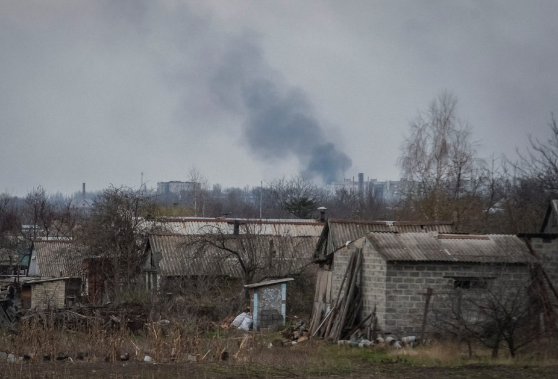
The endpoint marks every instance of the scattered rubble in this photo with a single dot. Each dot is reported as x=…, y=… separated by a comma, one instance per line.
x=296, y=333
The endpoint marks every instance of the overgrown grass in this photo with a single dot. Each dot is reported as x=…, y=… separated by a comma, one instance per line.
x=225, y=353
x=451, y=354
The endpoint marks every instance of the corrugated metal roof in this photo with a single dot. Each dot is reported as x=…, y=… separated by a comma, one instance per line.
x=343, y=231
x=196, y=226
x=57, y=259
x=185, y=255
x=432, y=247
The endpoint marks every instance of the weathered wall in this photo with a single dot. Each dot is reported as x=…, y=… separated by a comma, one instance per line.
x=547, y=250
x=270, y=309
x=407, y=283
x=373, y=277
x=48, y=295
x=398, y=288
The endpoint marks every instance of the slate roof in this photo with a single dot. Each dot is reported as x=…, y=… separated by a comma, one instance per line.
x=337, y=232
x=276, y=227
x=55, y=259
x=180, y=255
x=432, y=247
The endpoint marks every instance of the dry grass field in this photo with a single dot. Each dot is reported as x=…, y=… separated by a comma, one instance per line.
x=186, y=351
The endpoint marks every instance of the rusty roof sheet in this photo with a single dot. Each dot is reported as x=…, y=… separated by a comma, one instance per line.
x=57, y=258
x=184, y=255
x=273, y=227
x=433, y=247
x=343, y=231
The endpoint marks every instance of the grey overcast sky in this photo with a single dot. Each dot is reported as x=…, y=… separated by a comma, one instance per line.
x=100, y=91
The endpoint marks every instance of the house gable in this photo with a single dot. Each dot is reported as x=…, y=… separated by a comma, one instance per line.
x=550, y=221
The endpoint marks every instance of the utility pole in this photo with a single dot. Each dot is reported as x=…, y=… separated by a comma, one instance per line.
x=261, y=193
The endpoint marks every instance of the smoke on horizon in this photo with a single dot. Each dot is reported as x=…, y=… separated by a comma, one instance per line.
x=279, y=120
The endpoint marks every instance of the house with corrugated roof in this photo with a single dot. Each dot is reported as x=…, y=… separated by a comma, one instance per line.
x=336, y=233
x=399, y=268
x=234, y=248
x=54, y=278
x=402, y=260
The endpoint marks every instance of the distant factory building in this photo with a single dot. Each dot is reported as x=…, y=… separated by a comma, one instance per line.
x=176, y=187
x=389, y=190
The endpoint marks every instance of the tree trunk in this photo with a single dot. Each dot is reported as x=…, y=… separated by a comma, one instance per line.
x=496, y=346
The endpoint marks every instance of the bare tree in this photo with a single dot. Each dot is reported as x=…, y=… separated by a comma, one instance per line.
x=541, y=160
x=39, y=212
x=492, y=312
x=116, y=231
x=297, y=196
x=10, y=233
x=249, y=250
x=439, y=160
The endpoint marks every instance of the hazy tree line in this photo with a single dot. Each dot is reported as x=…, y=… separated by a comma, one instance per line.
x=446, y=179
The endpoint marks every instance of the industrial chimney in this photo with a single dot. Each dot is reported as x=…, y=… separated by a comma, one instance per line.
x=83, y=191
x=361, y=183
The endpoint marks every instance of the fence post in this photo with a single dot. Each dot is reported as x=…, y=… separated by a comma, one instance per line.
x=424, y=318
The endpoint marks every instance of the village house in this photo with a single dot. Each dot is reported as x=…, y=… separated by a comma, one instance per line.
x=337, y=233
x=403, y=261
x=54, y=277
x=46, y=277
x=399, y=268
x=201, y=247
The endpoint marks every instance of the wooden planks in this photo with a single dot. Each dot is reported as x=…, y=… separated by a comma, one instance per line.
x=348, y=305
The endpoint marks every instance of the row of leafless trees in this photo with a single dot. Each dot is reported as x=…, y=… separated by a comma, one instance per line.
x=448, y=180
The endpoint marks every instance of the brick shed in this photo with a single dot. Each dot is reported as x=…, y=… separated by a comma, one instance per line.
x=398, y=268
x=268, y=302
x=54, y=293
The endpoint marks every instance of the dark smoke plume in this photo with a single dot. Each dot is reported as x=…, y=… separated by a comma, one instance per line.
x=279, y=120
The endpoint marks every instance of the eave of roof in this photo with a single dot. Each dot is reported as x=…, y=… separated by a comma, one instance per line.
x=268, y=283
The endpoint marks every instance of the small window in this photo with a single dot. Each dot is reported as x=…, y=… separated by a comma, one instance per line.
x=547, y=240
x=470, y=283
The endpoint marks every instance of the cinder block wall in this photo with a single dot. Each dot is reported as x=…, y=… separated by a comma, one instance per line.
x=397, y=288
x=48, y=295
x=374, y=269
x=407, y=283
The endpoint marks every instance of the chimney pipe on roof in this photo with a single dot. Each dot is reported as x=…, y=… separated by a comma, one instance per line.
x=322, y=213
x=236, y=230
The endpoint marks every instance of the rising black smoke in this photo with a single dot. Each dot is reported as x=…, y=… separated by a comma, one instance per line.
x=279, y=120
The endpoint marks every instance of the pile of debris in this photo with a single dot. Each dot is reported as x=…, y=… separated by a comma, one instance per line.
x=388, y=341
x=295, y=334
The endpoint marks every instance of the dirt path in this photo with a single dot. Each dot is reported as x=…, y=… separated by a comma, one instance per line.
x=68, y=370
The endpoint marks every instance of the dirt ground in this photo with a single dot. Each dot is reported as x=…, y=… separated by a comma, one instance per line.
x=192, y=370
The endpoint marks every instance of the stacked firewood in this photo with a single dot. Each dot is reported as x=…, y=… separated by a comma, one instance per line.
x=339, y=322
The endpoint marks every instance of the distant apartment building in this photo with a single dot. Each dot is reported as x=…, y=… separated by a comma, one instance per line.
x=176, y=187
x=389, y=190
